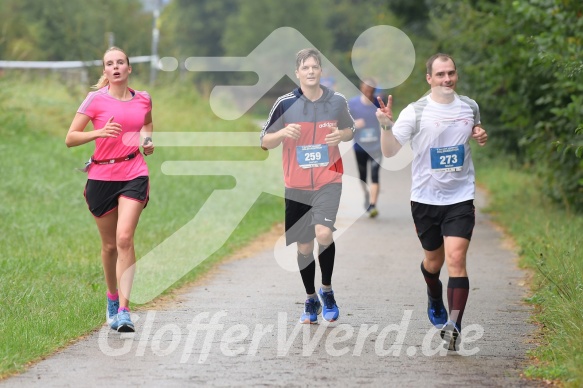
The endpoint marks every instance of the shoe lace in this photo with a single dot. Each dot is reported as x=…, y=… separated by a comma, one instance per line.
x=311, y=306
x=329, y=300
x=124, y=315
x=112, y=307
x=436, y=308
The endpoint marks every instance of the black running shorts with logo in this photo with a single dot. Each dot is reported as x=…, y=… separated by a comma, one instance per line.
x=433, y=222
x=102, y=196
x=304, y=209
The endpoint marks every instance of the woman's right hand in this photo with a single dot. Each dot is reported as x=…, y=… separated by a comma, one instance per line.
x=111, y=129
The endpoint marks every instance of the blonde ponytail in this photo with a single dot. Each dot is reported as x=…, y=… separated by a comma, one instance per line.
x=103, y=81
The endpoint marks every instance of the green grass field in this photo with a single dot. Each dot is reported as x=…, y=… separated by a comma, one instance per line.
x=50, y=273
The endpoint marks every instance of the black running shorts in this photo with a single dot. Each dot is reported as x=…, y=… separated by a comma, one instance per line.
x=102, y=196
x=306, y=208
x=433, y=222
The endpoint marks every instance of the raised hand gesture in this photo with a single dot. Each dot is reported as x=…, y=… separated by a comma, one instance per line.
x=385, y=112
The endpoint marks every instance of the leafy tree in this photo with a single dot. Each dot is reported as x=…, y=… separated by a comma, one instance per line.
x=414, y=15
x=18, y=39
x=257, y=19
x=57, y=30
x=347, y=20
x=195, y=28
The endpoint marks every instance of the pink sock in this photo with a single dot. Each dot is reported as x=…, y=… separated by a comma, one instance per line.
x=119, y=310
x=111, y=296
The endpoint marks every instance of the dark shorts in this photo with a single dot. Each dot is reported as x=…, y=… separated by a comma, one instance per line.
x=433, y=222
x=362, y=159
x=102, y=196
x=304, y=209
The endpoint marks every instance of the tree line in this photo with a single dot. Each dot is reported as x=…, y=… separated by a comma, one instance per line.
x=521, y=60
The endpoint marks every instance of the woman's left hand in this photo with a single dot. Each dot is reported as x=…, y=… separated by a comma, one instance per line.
x=148, y=146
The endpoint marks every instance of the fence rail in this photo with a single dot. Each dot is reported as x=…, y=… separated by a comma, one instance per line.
x=59, y=65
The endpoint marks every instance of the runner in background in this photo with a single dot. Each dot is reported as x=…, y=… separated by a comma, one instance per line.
x=367, y=142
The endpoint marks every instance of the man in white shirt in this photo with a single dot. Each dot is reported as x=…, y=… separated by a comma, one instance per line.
x=439, y=127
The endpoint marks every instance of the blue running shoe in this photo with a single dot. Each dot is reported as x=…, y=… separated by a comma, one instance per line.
x=451, y=335
x=123, y=323
x=436, y=312
x=111, y=312
x=330, y=310
x=311, y=310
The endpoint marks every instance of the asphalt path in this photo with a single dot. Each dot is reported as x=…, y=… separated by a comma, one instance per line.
x=238, y=326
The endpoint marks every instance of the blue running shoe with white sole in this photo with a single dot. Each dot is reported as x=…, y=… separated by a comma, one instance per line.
x=123, y=323
x=111, y=312
x=330, y=310
x=436, y=312
x=451, y=335
x=311, y=310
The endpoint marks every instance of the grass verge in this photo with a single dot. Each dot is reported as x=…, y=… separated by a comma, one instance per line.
x=549, y=239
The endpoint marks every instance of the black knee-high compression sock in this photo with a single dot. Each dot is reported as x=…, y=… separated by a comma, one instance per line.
x=458, y=289
x=326, y=256
x=434, y=287
x=307, y=271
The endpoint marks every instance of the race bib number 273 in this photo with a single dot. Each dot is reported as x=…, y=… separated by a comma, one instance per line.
x=445, y=159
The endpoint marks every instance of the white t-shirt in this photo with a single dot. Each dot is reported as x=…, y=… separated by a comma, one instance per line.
x=442, y=168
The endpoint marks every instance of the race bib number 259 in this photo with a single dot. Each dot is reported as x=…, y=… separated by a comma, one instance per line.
x=311, y=156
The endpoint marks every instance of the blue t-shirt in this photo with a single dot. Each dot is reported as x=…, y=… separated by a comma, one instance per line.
x=368, y=138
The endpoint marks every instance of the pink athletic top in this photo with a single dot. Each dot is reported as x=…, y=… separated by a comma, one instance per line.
x=100, y=107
